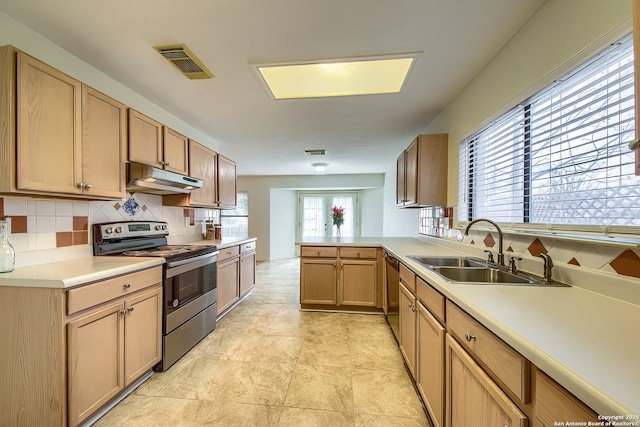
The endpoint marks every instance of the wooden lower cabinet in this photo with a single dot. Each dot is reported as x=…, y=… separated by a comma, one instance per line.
x=357, y=285
x=318, y=281
x=345, y=277
x=407, y=336
x=430, y=364
x=228, y=283
x=247, y=272
x=111, y=347
x=473, y=398
x=554, y=403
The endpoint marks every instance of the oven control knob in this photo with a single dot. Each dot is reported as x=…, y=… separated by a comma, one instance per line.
x=158, y=227
x=118, y=229
x=176, y=302
x=164, y=227
x=108, y=230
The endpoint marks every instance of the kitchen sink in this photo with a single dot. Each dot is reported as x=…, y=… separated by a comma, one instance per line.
x=434, y=261
x=481, y=275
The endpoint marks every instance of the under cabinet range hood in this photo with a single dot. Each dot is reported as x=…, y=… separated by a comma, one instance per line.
x=147, y=179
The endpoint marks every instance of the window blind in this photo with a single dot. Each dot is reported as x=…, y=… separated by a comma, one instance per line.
x=560, y=157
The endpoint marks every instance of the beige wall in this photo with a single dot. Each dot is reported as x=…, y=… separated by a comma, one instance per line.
x=558, y=37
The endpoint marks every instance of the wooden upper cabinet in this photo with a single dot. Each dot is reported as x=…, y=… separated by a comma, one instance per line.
x=227, y=197
x=203, y=164
x=636, y=52
x=175, y=151
x=104, y=133
x=145, y=139
x=400, y=176
x=70, y=137
x=48, y=128
x=421, y=176
x=156, y=145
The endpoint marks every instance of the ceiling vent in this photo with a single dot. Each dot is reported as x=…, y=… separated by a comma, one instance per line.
x=315, y=152
x=185, y=61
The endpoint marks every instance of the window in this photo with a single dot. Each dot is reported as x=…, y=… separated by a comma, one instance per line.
x=561, y=158
x=235, y=222
x=315, y=216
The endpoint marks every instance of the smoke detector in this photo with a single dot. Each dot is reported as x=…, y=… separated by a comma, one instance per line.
x=185, y=60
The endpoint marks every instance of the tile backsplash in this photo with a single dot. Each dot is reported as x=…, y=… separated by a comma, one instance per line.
x=439, y=222
x=43, y=224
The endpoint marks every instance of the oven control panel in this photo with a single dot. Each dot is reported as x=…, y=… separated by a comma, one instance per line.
x=129, y=229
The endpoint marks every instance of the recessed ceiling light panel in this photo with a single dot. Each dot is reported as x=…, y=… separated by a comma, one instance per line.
x=344, y=77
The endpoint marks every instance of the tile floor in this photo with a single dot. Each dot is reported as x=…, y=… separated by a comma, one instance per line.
x=269, y=364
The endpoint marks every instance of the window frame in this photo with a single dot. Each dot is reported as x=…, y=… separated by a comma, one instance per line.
x=466, y=189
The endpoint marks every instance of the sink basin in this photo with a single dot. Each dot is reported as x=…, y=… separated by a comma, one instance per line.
x=480, y=275
x=433, y=261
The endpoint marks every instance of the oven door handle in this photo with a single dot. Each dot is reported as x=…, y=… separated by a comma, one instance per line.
x=184, y=265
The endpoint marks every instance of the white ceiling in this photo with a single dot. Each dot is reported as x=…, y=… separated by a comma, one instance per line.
x=362, y=134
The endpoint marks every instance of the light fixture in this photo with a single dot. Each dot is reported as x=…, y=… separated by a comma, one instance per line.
x=336, y=77
x=320, y=167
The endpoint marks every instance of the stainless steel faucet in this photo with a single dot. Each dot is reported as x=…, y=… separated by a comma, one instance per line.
x=500, y=238
x=548, y=265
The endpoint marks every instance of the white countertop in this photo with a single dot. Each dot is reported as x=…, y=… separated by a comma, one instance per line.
x=66, y=274
x=588, y=342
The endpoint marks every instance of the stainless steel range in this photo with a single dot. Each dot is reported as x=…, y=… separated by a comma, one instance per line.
x=189, y=278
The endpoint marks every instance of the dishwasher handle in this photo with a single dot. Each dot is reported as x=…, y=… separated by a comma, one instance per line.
x=392, y=261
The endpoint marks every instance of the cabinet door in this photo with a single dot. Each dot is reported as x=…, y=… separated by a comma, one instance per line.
x=247, y=272
x=358, y=282
x=228, y=277
x=430, y=364
x=226, y=183
x=49, y=128
x=318, y=283
x=143, y=334
x=95, y=360
x=400, y=180
x=145, y=140
x=431, y=175
x=473, y=399
x=175, y=151
x=411, y=174
x=104, y=132
x=554, y=403
x=407, y=338
x=203, y=165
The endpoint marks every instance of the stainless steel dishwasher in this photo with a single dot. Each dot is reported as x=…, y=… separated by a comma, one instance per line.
x=393, y=293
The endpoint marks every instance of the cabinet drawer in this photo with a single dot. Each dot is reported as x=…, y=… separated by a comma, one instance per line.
x=554, y=403
x=346, y=252
x=229, y=252
x=408, y=277
x=505, y=363
x=88, y=296
x=432, y=299
x=247, y=247
x=319, y=251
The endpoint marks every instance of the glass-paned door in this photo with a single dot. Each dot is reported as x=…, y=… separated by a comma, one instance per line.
x=314, y=210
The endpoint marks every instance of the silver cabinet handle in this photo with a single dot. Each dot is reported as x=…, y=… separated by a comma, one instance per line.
x=88, y=186
x=126, y=285
x=130, y=309
x=80, y=185
x=469, y=337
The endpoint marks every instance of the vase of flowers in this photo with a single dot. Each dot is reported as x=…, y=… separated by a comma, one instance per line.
x=337, y=216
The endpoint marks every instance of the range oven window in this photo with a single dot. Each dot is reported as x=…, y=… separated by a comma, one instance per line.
x=185, y=287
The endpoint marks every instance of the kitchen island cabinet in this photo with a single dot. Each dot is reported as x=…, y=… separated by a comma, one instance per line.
x=50, y=119
x=341, y=278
